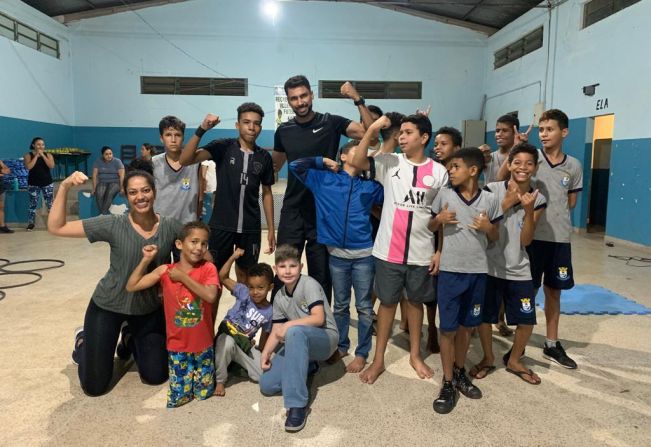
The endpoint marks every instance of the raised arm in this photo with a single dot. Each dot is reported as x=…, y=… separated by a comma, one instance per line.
x=356, y=130
x=190, y=154
x=225, y=271
x=360, y=159
x=49, y=160
x=56, y=220
x=139, y=279
x=30, y=160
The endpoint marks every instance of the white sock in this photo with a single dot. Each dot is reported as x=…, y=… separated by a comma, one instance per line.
x=550, y=343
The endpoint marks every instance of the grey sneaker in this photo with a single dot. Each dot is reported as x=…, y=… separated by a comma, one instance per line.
x=557, y=354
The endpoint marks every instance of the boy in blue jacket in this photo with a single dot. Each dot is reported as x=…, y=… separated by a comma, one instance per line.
x=343, y=205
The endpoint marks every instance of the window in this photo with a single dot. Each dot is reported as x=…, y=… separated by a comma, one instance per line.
x=525, y=45
x=374, y=89
x=170, y=85
x=28, y=36
x=596, y=10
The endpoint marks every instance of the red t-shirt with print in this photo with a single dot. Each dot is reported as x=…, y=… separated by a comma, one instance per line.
x=188, y=318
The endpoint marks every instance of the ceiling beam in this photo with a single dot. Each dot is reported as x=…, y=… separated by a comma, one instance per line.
x=73, y=17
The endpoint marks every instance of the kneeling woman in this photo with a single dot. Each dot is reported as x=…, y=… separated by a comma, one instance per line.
x=111, y=305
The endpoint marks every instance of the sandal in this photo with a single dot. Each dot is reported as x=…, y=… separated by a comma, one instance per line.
x=476, y=370
x=504, y=330
x=505, y=358
x=521, y=375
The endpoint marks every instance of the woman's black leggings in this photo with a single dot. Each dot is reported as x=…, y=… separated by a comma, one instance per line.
x=101, y=332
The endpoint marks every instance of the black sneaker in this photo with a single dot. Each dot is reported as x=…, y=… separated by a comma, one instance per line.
x=122, y=350
x=296, y=419
x=6, y=229
x=557, y=354
x=447, y=399
x=464, y=385
x=79, y=340
x=30, y=227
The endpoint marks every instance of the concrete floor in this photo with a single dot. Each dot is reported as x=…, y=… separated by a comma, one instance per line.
x=607, y=401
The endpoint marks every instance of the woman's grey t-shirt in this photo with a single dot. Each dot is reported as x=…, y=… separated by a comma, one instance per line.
x=108, y=171
x=126, y=252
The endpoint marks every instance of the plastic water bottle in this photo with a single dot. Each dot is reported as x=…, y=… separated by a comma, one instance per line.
x=14, y=184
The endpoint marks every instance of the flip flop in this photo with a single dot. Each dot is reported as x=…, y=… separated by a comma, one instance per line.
x=475, y=370
x=505, y=358
x=521, y=375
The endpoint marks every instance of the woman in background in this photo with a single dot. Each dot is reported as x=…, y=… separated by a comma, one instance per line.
x=108, y=175
x=39, y=179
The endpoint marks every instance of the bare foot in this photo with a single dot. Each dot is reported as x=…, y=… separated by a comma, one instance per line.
x=336, y=356
x=422, y=370
x=433, y=341
x=371, y=373
x=220, y=389
x=356, y=365
x=404, y=326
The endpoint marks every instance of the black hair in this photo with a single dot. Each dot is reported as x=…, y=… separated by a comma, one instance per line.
x=557, y=115
x=34, y=140
x=524, y=148
x=149, y=147
x=287, y=252
x=374, y=110
x=106, y=148
x=250, y=107
x=141, y=164
x=171, y=121
x=139, y=173
x=262, y=270
x=457, y=139
x=509, y=119
x=188, y=227
x=396, y=119
x=422, y=123
x=297, y=81
x=471, y=156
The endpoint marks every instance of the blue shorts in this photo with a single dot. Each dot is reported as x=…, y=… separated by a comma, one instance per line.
x=461, y=298
x=553, y=260
x=518, y=297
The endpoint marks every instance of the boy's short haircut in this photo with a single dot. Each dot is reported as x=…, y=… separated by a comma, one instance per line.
x=249, y=107
x=396, y=119
x=510, y=120
x=171, y=121
x=195, y=225
x=525, y=148
x=297, y=81
x=557, y=115
x=287, y=252
x=263, y=270
x=471, y=156
x=348, y=146
x=422, y=123
x=457, y=139
x=140, y=164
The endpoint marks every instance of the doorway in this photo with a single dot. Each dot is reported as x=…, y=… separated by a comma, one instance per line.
x=602, y=140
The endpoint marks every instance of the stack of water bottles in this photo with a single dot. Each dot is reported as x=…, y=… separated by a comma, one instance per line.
x=17, y=179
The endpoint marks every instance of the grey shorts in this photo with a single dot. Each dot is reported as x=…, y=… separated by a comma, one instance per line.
x=391, y=279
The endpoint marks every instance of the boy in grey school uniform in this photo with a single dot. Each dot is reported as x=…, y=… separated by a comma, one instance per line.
x=468, y=216
x=509, y=273
x=559, y=178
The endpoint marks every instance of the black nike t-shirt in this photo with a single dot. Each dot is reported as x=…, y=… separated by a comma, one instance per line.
x=316, y=138
x=239, y=176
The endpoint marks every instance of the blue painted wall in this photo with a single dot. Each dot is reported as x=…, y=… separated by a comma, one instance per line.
x=17, y=134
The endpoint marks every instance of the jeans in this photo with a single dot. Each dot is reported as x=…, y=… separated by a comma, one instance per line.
x=104, y=195
x=359, y=273
x=289, y=367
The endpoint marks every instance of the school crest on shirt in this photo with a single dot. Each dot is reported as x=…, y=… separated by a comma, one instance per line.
x=562, y=273
x=476, y=310
x=257, y=168
x=565, y=180
x=525, y=305
x=303, y=306
x=185, y=184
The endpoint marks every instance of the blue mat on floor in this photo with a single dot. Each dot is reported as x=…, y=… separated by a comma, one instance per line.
x=588, y=299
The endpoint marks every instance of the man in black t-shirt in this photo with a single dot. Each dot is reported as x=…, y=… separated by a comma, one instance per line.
x=310, y=134
x=242, y=168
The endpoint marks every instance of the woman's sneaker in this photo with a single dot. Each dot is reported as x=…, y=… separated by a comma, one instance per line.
x=30, y=227
x=447, y=399
x=79, y=340
x=6, y=229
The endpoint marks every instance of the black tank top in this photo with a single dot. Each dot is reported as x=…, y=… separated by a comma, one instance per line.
x=40, y=174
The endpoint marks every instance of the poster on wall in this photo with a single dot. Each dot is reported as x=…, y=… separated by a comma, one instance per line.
x=283, y=112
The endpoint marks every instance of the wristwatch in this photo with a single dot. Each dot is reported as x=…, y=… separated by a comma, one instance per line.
x=360, y=101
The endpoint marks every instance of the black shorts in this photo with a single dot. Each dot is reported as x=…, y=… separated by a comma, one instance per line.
x=553, y=260
x=391, y=279
x=518, y=297
x=222, y=244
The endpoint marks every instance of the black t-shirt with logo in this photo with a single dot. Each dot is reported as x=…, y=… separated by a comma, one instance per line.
x=239, y=176
x=317, y=138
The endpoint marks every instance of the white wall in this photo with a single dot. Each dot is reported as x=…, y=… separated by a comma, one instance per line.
x=34, y=85
x=232, y=38
x=614, y=53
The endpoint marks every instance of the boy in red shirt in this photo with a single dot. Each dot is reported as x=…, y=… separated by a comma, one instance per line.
x=189, y=286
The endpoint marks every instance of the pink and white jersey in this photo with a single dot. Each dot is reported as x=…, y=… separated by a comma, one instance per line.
x=409, y=189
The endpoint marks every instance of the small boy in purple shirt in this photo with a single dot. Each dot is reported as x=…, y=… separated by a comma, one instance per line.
x=251, y=311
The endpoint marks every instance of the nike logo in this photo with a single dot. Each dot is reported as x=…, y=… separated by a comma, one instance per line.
x=317, y=130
